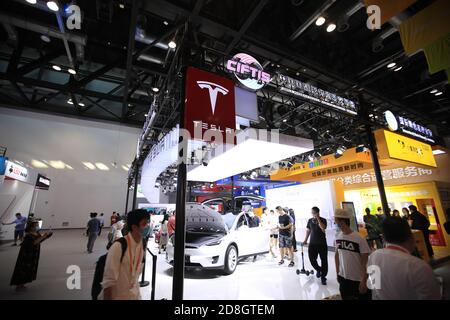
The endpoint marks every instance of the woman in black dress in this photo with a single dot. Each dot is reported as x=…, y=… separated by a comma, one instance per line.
x=27, y=263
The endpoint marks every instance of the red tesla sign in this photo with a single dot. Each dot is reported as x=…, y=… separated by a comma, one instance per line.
x=209, y=105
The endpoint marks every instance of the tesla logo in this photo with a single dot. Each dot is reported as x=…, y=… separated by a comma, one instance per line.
x=213, y=89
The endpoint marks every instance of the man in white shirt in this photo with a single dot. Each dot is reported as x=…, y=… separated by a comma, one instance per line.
x=121, y=275
x=352, y=252
x=394, y=273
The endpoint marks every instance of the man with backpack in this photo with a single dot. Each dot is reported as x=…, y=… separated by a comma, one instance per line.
x=123, y=263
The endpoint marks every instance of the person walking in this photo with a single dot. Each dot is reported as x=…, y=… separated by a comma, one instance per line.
x=102, y=223
x=294, y=240
x=285, y=236
x=373, y=227
x=171, y=224
x=396, y=274
x=318, y=244
x=164, y=238
x=25, y=270
x=272, y=225
x=122, y=270
x=19, y=229
x=351, y=256
x=419, y=221
x=93, y=228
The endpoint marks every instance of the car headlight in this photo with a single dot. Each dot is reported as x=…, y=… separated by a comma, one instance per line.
x=214, y=243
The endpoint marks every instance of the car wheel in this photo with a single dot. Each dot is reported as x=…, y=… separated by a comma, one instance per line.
x=231, y=260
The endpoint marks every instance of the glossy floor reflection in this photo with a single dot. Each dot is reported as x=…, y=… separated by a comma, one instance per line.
x=259, y=280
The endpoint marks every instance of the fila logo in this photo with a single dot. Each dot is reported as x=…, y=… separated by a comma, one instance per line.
x=348, y=245
x=213, y=89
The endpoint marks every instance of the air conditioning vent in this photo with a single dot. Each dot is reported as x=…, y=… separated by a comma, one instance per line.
x=65, y=224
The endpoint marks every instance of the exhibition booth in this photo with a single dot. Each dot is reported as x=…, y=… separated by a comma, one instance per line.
x=417, y=176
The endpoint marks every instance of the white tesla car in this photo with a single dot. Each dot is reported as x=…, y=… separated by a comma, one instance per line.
x=215, y=241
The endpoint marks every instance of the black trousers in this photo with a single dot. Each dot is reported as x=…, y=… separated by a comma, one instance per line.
x=315, y=250
x=426, y=235
x=349, y=290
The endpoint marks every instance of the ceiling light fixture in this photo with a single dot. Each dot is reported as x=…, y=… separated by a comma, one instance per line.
x=331, y=27
x=71, y=71
x=56, y=67
x=433, y=91
x=121, y=6
x=52, y=5
x=155, y=89
x=438, y=151
x=166, y=23
x=172, y=44
x=438, y=93
x=398, y=69
x=81, y=104
x=69, y=101
x=31, y=1
x=320, y=21
x=284, y=120
x=45, y=38
x=391, y=65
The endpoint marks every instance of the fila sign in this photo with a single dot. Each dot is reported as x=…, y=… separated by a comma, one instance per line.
x=248, y=71
x=209, y=104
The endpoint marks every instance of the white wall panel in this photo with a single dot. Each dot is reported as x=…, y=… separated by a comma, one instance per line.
x=75, y=190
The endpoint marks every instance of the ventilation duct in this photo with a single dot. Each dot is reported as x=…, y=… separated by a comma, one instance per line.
x=342, y=23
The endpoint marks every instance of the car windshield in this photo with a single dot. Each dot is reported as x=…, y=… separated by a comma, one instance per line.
x=229, y=218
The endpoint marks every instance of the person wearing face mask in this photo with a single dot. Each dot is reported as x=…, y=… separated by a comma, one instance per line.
x=124, y=260
x=394, y=273
x=27, y=263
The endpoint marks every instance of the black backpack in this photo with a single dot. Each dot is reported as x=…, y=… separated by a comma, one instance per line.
x=100, y=268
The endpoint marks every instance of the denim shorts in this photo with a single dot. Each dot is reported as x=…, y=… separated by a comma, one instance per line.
x=285, y=241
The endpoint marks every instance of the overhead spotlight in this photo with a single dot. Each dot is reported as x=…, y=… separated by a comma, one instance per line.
x=438, y=93
x=391, y=65
x=331, y=27
x=433, y=91
x=121, y=6
x=398, y=69
x=320, y=21
x=284, y=120
x=69, y=101
x=81, y=104
x=56, y=67
x=52, y=5
x=166, y=23
x=340, y=151
x=45, y=38
x=319, y=154
x=155, y=89
x=172, y=44
x=71, y=71
x=31, y=1
x=297, y=73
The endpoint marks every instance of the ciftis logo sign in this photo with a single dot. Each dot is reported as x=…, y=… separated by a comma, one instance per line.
x=209, y=105
x=248, y=71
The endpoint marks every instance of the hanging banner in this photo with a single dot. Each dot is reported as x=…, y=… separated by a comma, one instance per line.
x=395, y=146
x=326, y=167
x=389, y=8
x=209, y=105
x=426, y=27
x=438, y=55
x=2, y=168
x=42, y=182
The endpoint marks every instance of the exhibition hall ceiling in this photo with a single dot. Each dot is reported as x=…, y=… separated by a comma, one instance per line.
x=112, y=82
